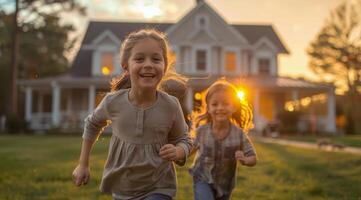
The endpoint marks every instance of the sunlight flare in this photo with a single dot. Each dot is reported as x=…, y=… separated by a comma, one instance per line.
x=241, y=95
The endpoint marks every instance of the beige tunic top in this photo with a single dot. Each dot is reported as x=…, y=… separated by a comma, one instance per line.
x=134, y=168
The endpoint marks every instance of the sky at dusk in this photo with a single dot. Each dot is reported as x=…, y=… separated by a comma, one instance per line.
x=297, y=22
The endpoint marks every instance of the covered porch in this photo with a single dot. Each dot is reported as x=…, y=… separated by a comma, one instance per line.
x=271, y=95
x=62, y=102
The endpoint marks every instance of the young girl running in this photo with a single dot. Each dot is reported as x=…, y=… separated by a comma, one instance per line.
x=149, y=130
x=220, y=141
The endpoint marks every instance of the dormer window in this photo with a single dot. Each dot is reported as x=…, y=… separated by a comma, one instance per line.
x=201, y=21
x=107, y=63
x=264, y=66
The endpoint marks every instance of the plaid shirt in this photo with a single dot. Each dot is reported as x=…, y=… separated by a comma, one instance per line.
x=215, y=161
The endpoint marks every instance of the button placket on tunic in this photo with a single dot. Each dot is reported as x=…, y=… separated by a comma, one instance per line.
x=140, y=122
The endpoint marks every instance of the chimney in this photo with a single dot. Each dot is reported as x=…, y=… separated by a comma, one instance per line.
x=199, y=1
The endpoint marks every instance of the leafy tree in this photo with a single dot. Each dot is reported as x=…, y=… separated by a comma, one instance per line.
x=43, y=40
x=335, y=54
x=336, y=51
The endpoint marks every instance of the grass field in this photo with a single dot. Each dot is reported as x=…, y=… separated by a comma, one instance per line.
x=40, y=167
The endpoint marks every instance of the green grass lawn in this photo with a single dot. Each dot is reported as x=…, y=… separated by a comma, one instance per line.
x=349, y=140
x=40, y=167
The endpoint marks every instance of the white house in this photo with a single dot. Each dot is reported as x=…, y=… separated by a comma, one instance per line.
x=206, y=47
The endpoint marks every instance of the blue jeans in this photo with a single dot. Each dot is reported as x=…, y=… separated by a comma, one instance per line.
x=205, y=191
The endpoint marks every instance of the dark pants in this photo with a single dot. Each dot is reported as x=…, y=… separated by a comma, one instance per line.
x=205, y=191
x=158, y=197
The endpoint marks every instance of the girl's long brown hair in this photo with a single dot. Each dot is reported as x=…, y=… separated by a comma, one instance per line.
x=123, y=81
x=242, y=117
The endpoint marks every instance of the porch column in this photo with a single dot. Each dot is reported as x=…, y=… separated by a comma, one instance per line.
x=295, y=99
x=28, y=103
x=189, y=100
x=91, y=98
x=331, y=112
x=256, y=110
x=55, y=115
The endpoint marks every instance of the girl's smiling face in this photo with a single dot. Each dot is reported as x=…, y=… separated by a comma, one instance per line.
x=146, y=65
x=220, y=106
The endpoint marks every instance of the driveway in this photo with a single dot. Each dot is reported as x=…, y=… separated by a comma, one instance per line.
x=308, y=145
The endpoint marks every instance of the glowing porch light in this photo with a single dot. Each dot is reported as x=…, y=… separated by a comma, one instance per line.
x=305, y=101
x=289, y=106
x=198, y=96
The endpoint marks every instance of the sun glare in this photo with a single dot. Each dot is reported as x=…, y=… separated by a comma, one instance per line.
x=105, y=70
x=241, y=95
x=148, y=10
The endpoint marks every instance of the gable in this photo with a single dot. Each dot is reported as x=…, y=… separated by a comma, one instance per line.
x=201, y=37
x=106, y=37
x=214, y=25
x=103, y=32
x=256, y=33
x=265, y=44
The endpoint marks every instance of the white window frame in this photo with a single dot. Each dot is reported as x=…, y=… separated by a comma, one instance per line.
x=96, y=61
x=237, y=52
x=207, y=49
x=258, y=65
x=270, y=53
x=198, y=21
x=265, y=55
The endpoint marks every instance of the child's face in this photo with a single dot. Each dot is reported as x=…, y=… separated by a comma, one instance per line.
x=220, y=106
x=146, y=64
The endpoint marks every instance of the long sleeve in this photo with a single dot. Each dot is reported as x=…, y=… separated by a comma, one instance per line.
x=179, y=132
x=247, y=145
x=96, y=121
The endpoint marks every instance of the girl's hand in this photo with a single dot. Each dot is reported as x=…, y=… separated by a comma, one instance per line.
x=81, y=175
x=239, y=155
x=171, y=153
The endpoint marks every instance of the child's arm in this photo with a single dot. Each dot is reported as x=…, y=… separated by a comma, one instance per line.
x=179, y=141
x=248, y=155
x=81, y=173
x=246, y=160
x=94, y=124
x=171, y=152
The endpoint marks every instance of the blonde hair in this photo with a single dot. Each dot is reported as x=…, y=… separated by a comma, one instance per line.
x=123, y=81
x=242, y=116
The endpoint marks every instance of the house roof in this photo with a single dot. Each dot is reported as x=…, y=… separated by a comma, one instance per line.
x=255, y=32
x=121, y=29
x=82, y=63
x=67, y=81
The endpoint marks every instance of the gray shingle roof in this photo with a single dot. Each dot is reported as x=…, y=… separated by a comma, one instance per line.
x=254, y=32
x=119, y=29
x=82, y=62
